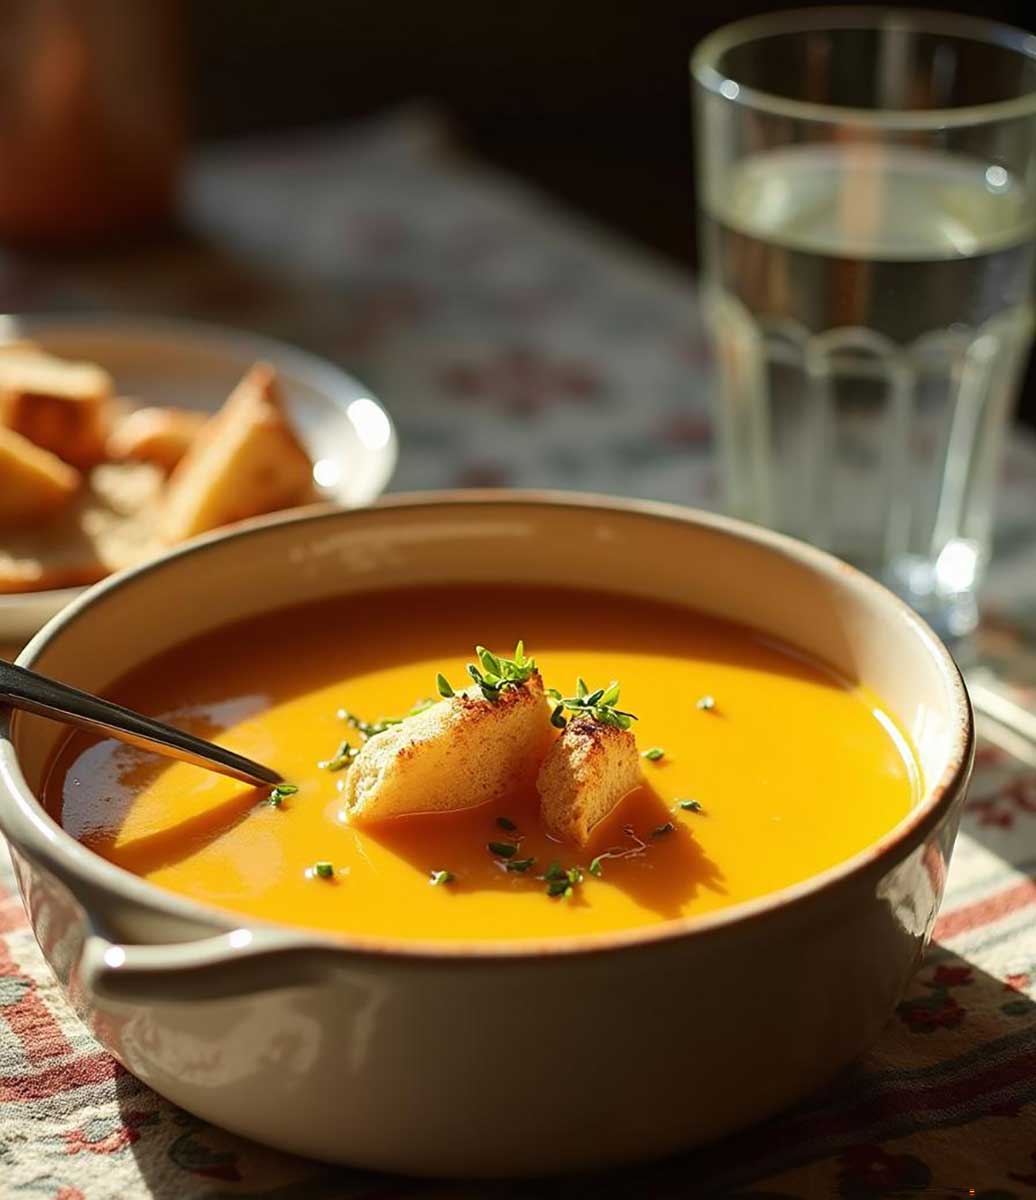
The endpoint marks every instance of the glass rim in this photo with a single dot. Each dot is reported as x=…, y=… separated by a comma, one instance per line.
x=801, y=20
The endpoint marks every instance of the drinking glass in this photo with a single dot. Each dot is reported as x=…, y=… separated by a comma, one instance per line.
x=867, y=187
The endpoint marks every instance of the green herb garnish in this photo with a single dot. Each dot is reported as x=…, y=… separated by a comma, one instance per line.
x=690, y=805
x=438, y=878
x=706, y=703
x=280, y=793
x=561, y=881
x=492, y=674
x=520, y=864
x=654, y=754
x=598, y=704
x=506, y=823
x=341, y=758
x=502, y=849
x=442, y=686
x=369, y=729
x=324, y=869
x=662, y=830
x=346, y=751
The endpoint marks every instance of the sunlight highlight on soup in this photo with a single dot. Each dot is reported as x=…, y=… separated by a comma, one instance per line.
x=766, y=769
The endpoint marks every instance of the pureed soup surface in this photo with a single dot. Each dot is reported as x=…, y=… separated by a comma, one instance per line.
x=794, y=769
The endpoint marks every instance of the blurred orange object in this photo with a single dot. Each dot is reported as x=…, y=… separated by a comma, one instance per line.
x=92, y=124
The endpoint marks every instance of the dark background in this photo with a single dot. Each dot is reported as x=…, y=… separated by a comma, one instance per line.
x=590, y=100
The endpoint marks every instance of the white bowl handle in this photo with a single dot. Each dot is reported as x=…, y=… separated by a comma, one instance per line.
x=238, y=963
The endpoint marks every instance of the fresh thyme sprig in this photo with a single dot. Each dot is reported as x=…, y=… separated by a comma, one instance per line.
x=493, y=674
x=369, y=729
x=598, y=704
x=341, y=758
x=505, y=851
x=280, y=793
x=561, y=881
x=346, y=751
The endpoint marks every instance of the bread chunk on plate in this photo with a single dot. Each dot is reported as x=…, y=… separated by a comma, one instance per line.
x=34, y=484
x=245, y=461
x=589, y=769
x=459, y=753
x=107, y=525
x=161, y=436
x=64, y=407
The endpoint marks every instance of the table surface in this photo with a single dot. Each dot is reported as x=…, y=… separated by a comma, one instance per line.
x=517, y=346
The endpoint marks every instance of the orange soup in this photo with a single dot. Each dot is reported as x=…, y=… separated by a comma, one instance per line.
x=771, y=770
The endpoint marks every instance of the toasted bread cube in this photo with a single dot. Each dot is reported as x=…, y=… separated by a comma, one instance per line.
x=64, y=407
x=245, y=461
x=34, y=484
x=108, y=525
x=589, y=769
x=459, y=753
x=56, y=554
x=161, y=436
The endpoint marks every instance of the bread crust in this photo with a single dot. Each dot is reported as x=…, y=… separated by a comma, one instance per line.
x=244, y=462
x=589, y=769
x=64, y=407
x=460, y=753
x=161, y=436
x=34, y=484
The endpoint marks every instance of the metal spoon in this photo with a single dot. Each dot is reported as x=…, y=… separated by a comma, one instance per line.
x=46, y=697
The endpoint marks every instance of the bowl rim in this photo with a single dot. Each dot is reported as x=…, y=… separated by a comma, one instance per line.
x=71, y=860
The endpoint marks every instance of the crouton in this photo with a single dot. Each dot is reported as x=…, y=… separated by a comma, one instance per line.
x=109, y=524
x=459, y=753
x=64, y=558
x=245, y=461
x=589, y=769
x=161, y=436
x=34, y=484
x=64, y=407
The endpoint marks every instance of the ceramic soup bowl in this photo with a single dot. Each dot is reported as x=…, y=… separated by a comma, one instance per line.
x=446, y=1059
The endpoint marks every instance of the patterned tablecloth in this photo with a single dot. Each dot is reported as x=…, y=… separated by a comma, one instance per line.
x=516, y=346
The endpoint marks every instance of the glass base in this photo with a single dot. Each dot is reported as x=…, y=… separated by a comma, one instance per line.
x=952, y=611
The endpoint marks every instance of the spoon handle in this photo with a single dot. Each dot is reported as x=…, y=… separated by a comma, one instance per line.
x=46, y=697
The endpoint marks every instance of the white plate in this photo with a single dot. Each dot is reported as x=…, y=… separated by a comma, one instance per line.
x=348, y=434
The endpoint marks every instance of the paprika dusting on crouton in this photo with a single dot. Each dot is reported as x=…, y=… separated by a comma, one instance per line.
x=469, y=749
